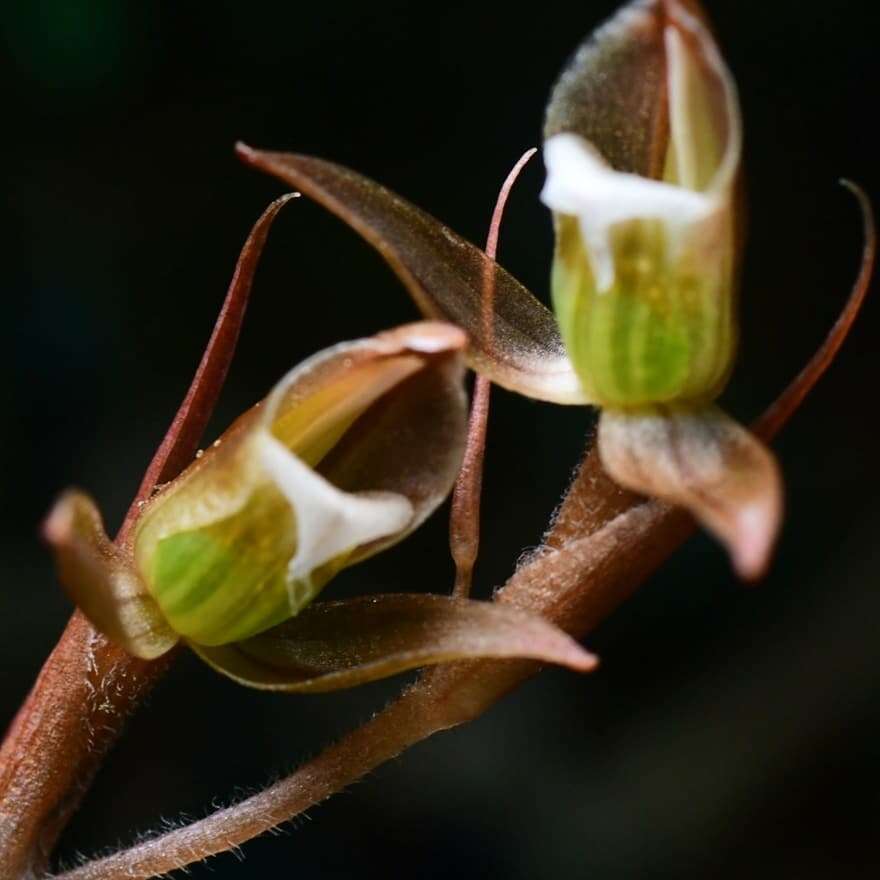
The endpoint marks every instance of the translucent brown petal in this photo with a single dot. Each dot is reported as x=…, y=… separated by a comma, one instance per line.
x=614, y=91
x=101, y=580
x=334, y=645
x=445, y=274
x=706, y=462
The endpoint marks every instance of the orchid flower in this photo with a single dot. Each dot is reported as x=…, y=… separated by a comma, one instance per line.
x=348, y=454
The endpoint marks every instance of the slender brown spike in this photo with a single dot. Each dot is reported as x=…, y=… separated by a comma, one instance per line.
x=464, y=520
x=181, y=441
x=781, y=410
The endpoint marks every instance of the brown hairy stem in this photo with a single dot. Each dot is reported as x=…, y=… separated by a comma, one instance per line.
x=602, y=543
x=464, y=519
x=88, y=686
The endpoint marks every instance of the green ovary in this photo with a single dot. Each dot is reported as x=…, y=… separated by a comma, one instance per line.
x=228, y=580
x=658, y=335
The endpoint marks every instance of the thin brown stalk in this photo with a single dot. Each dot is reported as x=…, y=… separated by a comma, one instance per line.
x=88, y=686
x=464, y=519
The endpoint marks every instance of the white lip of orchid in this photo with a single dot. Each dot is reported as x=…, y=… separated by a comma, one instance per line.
x=329, y=522
x=582, y=184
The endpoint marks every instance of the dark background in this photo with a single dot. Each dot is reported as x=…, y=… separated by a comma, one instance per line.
x=729, y=731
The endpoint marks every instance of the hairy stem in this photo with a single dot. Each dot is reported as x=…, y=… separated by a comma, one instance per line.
x=401, y=725
x=592, y=580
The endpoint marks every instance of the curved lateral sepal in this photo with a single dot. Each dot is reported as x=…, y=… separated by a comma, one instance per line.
x=520, y=349
x=335, y=645
x=102, y=580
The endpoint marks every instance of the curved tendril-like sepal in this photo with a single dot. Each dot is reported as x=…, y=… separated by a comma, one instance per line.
x=335, y=645
x=519, y=349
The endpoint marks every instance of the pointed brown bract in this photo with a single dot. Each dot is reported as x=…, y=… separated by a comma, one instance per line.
x=333, y=645
x=182, y=438
x=445, y=274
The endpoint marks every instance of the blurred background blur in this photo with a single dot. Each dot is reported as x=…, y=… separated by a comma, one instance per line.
x=729, y=731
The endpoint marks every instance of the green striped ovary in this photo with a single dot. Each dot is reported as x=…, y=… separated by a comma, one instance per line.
x=662, y=333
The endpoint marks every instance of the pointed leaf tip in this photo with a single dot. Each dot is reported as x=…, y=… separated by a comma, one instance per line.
x=706, y=462
x=183, y=436
x=519, y=349
x=335, y=645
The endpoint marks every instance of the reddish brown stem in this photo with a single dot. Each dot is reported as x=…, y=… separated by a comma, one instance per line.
x=88, y=687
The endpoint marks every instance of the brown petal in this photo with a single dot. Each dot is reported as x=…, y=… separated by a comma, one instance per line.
x=333, y=645
x=706, y=462
x=411, y=443
x=613, y=93
x=444, y=274
x=101, y=580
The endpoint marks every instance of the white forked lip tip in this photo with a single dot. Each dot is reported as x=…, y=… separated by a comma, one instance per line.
x=329, y=522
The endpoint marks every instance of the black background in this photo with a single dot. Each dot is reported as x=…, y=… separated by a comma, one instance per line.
x=729, y=731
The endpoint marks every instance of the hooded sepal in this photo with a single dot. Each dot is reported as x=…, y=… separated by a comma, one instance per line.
x=704, y=461
x=334, y=645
